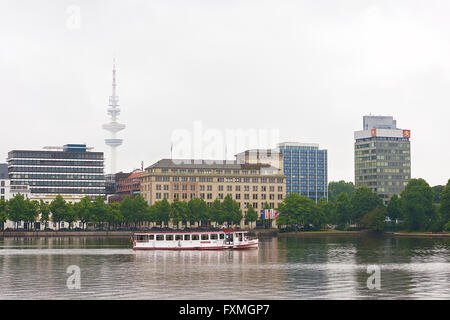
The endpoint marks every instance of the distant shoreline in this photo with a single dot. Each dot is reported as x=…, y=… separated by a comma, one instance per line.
x=258, y=232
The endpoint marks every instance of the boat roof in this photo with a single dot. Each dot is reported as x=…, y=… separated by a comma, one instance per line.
x=188, y=232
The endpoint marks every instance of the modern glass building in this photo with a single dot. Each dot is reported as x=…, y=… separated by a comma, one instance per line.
x=70, y=171
x=306, y=169
x=382, y=156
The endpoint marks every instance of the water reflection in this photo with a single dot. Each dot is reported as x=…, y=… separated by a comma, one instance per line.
x=283, y=268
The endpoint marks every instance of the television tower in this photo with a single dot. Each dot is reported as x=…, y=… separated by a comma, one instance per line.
x=113, y=126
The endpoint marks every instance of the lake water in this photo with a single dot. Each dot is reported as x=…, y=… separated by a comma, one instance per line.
x=282, y=268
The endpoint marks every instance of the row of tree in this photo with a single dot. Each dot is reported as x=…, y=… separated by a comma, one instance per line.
x=131, y=212
x=415, y=208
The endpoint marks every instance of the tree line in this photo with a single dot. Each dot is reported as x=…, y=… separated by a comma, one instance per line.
x=415, y=209
x=129, y=213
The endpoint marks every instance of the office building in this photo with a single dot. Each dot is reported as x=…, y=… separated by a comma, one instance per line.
x=71, y=171
x=382, y=156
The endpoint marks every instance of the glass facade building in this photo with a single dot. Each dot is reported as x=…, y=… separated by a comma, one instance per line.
x=305, y=167
x=73, y=171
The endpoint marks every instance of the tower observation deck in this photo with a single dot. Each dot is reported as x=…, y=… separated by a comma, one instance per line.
x=113, y=126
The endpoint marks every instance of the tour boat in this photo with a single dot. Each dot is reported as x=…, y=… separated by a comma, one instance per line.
x=212, y=240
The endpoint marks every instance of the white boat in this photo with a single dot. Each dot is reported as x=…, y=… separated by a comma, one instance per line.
x=212, y=240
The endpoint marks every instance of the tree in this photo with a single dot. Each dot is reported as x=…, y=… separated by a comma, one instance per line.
x=178, y=211
x=31, y=212
x=216, y=212
x=58, y=209
x=328, y=209
x=297, y=211
x=336, y=188
x=127, y=210
x=232, y=211
x=44, y=212
x=140, y=209
x=343, y=210
x=162, y=211
x=113, y=214
x=251, y=214
x=3, y=213
x=198, y=211
x=437, y=190
x=374, y=219
x=98, y=210
x=363, y=201
x=84, y=212
x=445, y=204
x=16, y=208
x=394, y=208
x=417, y=205
x=70, y=214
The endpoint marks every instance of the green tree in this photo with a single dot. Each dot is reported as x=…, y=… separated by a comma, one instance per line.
x=363, y=201
x=98, y=210
x=16, y=208
x=233, y=214
x=127, y=210
x=70, y=215
x=251, y=215
x=31, y=212
x=394, y=207
x=216, y=212
x=178, y=212
x=140, y=209
x=343, y=210
x=374, y=219
x=417, y=205
x=437, y=190
x=3, y=213
x=445, y=204
x=162, y=211
x=328, y=209
x=58, y=209
x=44, y=213
x=113, y=214
x=336, y=188
x=297, y=211
x=84, y=212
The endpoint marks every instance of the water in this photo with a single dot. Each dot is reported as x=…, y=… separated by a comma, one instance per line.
x=283, y=268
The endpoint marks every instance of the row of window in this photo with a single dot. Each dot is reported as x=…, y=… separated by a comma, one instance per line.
x=179, y=237
x=57, y=176
x=56, y=169
x=60, y=183
x=220, y=179
x=56, y=163
x=55, y=155
x=68, y=190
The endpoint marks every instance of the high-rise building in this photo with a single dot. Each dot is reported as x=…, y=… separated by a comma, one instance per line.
x=70, y=171
x=303, y=164
x=382, y=156
x=113, y=126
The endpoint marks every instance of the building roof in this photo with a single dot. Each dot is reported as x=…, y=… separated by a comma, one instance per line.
x=206, y=164
x=4, y=171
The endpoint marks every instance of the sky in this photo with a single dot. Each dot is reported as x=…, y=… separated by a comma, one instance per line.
x=204, y=70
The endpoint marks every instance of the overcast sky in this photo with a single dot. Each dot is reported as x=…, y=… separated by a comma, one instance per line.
x=308, y=70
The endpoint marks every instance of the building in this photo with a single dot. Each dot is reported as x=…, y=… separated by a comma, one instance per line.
x=130, y=184
x=4, y=182
x=70, y=171
x=247, y=184
x=304, y=165
x=382, y=156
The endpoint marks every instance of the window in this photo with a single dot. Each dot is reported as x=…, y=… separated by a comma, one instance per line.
x=187, y=237
x=169, y=237
x=151, y=237
x=178, y=237
x=222, y=236
x=205, y=237
x=195, y=237
x=213, y=236
x=159, y=237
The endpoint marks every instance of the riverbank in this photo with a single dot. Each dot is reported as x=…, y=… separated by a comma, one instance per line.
x=39, y=234
x=419, y=234
x=321, y=233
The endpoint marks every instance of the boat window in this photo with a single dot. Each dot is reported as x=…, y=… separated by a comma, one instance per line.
x=178, y=237
x=195, y=237
x=187, y=237
x=142, y=238
x=159, y=237
x=205, y=237
x=151, y=237
x=222, y=236
x=169, y=237
x=214, y=236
